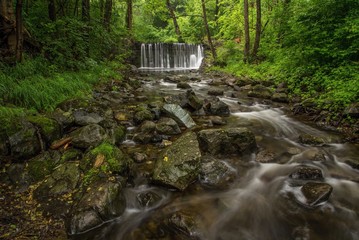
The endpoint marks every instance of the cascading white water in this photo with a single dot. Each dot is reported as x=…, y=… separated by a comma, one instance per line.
x=176, y=56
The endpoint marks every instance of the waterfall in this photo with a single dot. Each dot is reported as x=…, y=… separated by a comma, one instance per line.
x=176, y=56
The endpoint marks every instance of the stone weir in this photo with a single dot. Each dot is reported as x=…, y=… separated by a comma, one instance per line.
x=174, y=56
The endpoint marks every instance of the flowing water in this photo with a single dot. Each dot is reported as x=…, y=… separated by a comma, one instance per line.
x=263, y=202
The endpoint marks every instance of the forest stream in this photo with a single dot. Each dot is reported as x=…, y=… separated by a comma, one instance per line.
x=284, y=188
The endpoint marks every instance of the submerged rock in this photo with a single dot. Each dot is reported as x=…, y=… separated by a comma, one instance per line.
x=216, y=174
x=148, y=199
x=184, y=225
x=227, y=141
x=179, y=114
x=179, y=164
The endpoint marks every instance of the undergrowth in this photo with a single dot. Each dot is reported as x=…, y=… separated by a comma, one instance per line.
x=38, y=85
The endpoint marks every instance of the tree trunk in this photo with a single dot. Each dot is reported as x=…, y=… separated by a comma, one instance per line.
x=86, y=10
x=76, y=8
x=19, y=31
x=216, y=13
x=86, y=19
x=174, y=18
x=213, y=50
x=129, y=15
x=52, y=10
x=107, y=15
x=258, y=29
x=246, y=32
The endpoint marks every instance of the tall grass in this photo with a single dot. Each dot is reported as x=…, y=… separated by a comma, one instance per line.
x=38, y=85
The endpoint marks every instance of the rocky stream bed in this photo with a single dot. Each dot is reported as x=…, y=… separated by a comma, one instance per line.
x=179, y=156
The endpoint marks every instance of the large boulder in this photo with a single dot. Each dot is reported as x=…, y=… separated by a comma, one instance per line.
x=179, y=115
x=179, y=164
x=260, y=91
x=103, y=201
x=88, y=136
x=167, y=126
x=280, y=97
x=63, y=180
x=43, y=164
x=25, y=142
x=227, y=141
x=216, y=107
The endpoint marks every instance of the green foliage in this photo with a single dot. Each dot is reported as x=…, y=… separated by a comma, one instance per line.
x=29, y=85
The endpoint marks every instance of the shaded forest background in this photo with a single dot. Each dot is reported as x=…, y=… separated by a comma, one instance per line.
x=57, y=49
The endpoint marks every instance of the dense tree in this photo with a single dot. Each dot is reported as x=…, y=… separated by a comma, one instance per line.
x=258, y=28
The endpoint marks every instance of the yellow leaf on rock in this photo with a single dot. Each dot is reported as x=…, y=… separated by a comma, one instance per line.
x=99, y=160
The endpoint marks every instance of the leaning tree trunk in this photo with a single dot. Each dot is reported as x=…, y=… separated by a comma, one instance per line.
x=19, y=31
x=174, y=18
x=107, y=15
x=129, y=15
x=258, y=29
x=246, y=32
x=213, y=50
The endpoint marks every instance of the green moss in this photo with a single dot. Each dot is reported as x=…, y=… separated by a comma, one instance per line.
x=71, y=155
x=49, y=127
x=115, y=160
x=40, y=166
x=119, y=134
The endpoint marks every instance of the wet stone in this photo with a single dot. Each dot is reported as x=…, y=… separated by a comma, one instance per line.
x=316, y=193
x=84, y=118
x=139, y=157
x=183, y=85
x=216, y=174
x=265, y=156
x=307, y=173
x=215, y=92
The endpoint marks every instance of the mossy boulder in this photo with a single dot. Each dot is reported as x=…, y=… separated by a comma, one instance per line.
x=260, y=91
x=179, y=164
x=63, y=179
x=71, y=154
x=50, y=129
x=24, y=143
x=142, y=115
x=227, y=141
x=42, y=165
x=105, y=159
x=167, y=126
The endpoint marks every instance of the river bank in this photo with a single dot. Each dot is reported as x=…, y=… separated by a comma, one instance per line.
x=117, y=144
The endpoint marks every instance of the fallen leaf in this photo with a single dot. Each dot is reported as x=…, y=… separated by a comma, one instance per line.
x=100, y=158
